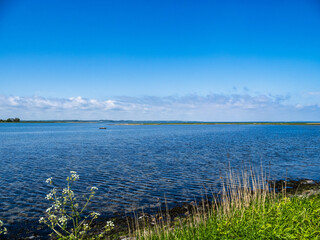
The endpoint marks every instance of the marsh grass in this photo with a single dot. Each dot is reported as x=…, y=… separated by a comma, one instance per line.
x=247, y=208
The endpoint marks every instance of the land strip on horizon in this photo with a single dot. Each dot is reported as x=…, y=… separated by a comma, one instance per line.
x=132, y=123
x=222, y=123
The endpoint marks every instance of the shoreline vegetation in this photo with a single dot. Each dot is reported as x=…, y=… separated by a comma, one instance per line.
x=10, y=120
x=134, y=123
x=50, y=121
x=248, y=206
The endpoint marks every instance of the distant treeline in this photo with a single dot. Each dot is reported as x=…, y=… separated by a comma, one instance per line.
x=11, y=120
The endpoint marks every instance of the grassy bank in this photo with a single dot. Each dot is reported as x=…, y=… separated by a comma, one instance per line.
x=248, y=209
x=279, y=218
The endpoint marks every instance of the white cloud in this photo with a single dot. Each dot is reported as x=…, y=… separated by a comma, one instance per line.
x=314, y=93
x=52, y=103
x=212, y=107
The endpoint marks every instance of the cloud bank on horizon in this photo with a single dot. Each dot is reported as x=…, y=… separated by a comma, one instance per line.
x=212, y=107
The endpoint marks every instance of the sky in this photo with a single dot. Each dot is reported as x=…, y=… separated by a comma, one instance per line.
x=160, y=60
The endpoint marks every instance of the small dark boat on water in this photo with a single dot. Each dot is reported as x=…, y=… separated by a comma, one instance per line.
x=102, y=128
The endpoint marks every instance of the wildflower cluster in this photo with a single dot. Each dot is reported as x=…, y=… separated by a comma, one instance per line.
x=109, y=226
x=65, y=217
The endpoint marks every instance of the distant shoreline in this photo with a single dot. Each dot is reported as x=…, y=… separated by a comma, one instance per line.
x=225, y=123
x=52, y=122
x=132, y=123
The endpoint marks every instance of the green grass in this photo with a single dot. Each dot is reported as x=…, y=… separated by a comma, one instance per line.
x=283, y=218
x=247, y=212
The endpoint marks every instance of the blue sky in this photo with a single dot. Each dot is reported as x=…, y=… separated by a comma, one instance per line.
x=160, y=60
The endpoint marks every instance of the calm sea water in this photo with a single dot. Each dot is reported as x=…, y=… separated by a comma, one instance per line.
x=137, y=166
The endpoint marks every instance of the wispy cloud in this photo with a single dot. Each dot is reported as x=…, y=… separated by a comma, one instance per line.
x=212, y=107
x=313, y=93
x=47, y=103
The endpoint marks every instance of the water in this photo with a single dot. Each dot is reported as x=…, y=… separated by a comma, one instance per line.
x=139, y=166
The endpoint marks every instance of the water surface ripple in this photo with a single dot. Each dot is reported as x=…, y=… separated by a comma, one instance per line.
x=137, y=166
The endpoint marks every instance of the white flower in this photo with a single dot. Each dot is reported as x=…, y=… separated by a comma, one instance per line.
x=110, y=224
x=41, y=220
x=86, y=226
x=49, y=209
x=94, y=189
x=68, y=191
x=62, y=219
x=49, y=196
x=57, y=205
x=49, y=180
x=74, y=177
x=65, y=191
